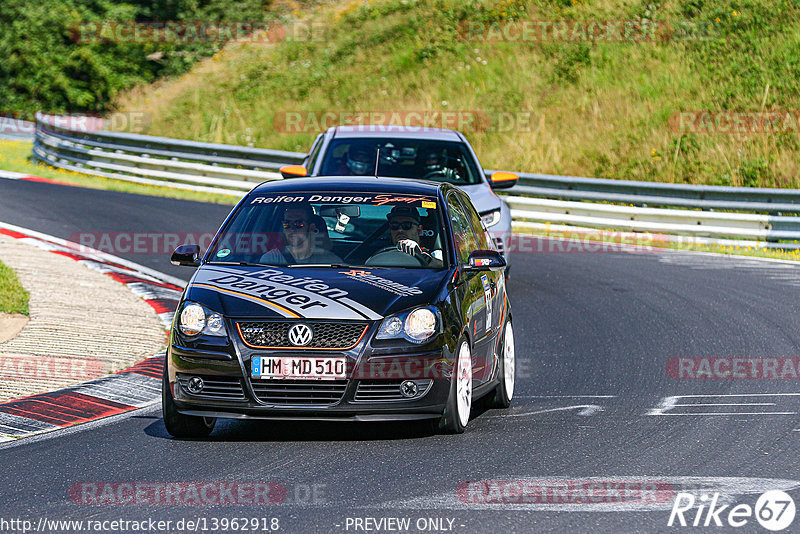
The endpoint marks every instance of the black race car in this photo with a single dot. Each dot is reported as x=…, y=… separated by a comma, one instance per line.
x=341, y=298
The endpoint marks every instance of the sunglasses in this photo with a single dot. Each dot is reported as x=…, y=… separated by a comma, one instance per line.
x=405, y=225
x=297, y=225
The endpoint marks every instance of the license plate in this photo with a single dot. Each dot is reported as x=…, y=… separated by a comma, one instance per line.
x=294, y=367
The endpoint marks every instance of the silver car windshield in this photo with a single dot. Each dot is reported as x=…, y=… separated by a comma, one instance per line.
x=439, y=161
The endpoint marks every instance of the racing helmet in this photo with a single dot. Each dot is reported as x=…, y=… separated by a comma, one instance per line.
x=432, y=160
x=360, y=159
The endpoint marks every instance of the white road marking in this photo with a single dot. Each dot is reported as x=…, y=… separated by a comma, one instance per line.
x=131, y=389
x=585, y=410
x=745, y=395
x=10, y=175
x=729, y=404
x=16, y=424
x=668, y=404
x=565, y=397
x=781, y=271
x=729, y=413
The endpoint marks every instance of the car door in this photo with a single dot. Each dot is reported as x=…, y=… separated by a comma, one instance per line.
x=492, y=283
x=470, y=292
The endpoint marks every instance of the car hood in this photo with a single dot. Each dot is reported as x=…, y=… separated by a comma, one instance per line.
x=482, y=197
x=312, y=293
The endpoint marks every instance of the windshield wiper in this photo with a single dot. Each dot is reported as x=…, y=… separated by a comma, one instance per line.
x=243, y=264
x=331, y=265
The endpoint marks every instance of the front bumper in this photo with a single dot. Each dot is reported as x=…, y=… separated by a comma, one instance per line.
x=230, y=392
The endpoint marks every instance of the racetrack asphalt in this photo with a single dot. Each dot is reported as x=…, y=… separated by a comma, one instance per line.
x=594, y=402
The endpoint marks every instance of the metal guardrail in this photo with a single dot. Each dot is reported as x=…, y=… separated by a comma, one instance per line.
x=706, y=197
x=626, y=205
x=158, y=160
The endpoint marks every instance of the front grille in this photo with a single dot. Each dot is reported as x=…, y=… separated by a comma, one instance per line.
x=215, y=388
x=388, y=390
x=326, y=335
x=300, y=392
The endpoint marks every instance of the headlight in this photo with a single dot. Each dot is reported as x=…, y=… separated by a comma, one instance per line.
x=420, y=324
x=196, y=319
x=193, y=319
x=416, y=326
x=491, y=218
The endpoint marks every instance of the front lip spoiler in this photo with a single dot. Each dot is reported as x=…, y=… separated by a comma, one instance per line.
x=334, y=418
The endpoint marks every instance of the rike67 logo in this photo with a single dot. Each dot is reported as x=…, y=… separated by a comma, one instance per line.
x=774, y=510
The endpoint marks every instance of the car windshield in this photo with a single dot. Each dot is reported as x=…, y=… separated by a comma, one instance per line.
x=334, y=230
x=440, y=161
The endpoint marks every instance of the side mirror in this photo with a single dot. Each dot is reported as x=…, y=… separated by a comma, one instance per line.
x=485, y=260
x=503, y=180
x=186, y=255
x=293, y=171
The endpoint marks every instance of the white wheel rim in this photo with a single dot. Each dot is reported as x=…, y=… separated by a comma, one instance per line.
x=509, y=362
x=464, y=384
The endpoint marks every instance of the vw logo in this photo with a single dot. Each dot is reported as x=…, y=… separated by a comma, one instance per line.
x=409, y=389
x=195, y=385
x=300, y=335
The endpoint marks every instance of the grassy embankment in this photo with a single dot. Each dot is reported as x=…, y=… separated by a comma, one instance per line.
x=13, y=297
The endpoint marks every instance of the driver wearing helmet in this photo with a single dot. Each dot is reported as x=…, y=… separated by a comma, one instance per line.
x=360, y=160
x=433, y=165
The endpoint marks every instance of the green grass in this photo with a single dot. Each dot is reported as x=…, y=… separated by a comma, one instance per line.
x=597, y=108
x=15, y=156
x=13, y=297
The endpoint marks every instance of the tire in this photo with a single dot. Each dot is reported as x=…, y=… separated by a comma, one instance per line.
x=178, y=424
x=507, y=371
x=459, y=402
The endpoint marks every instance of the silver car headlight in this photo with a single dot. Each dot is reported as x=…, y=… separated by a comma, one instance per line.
x=196, y=319
x=416, y=326
x=491, y=218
